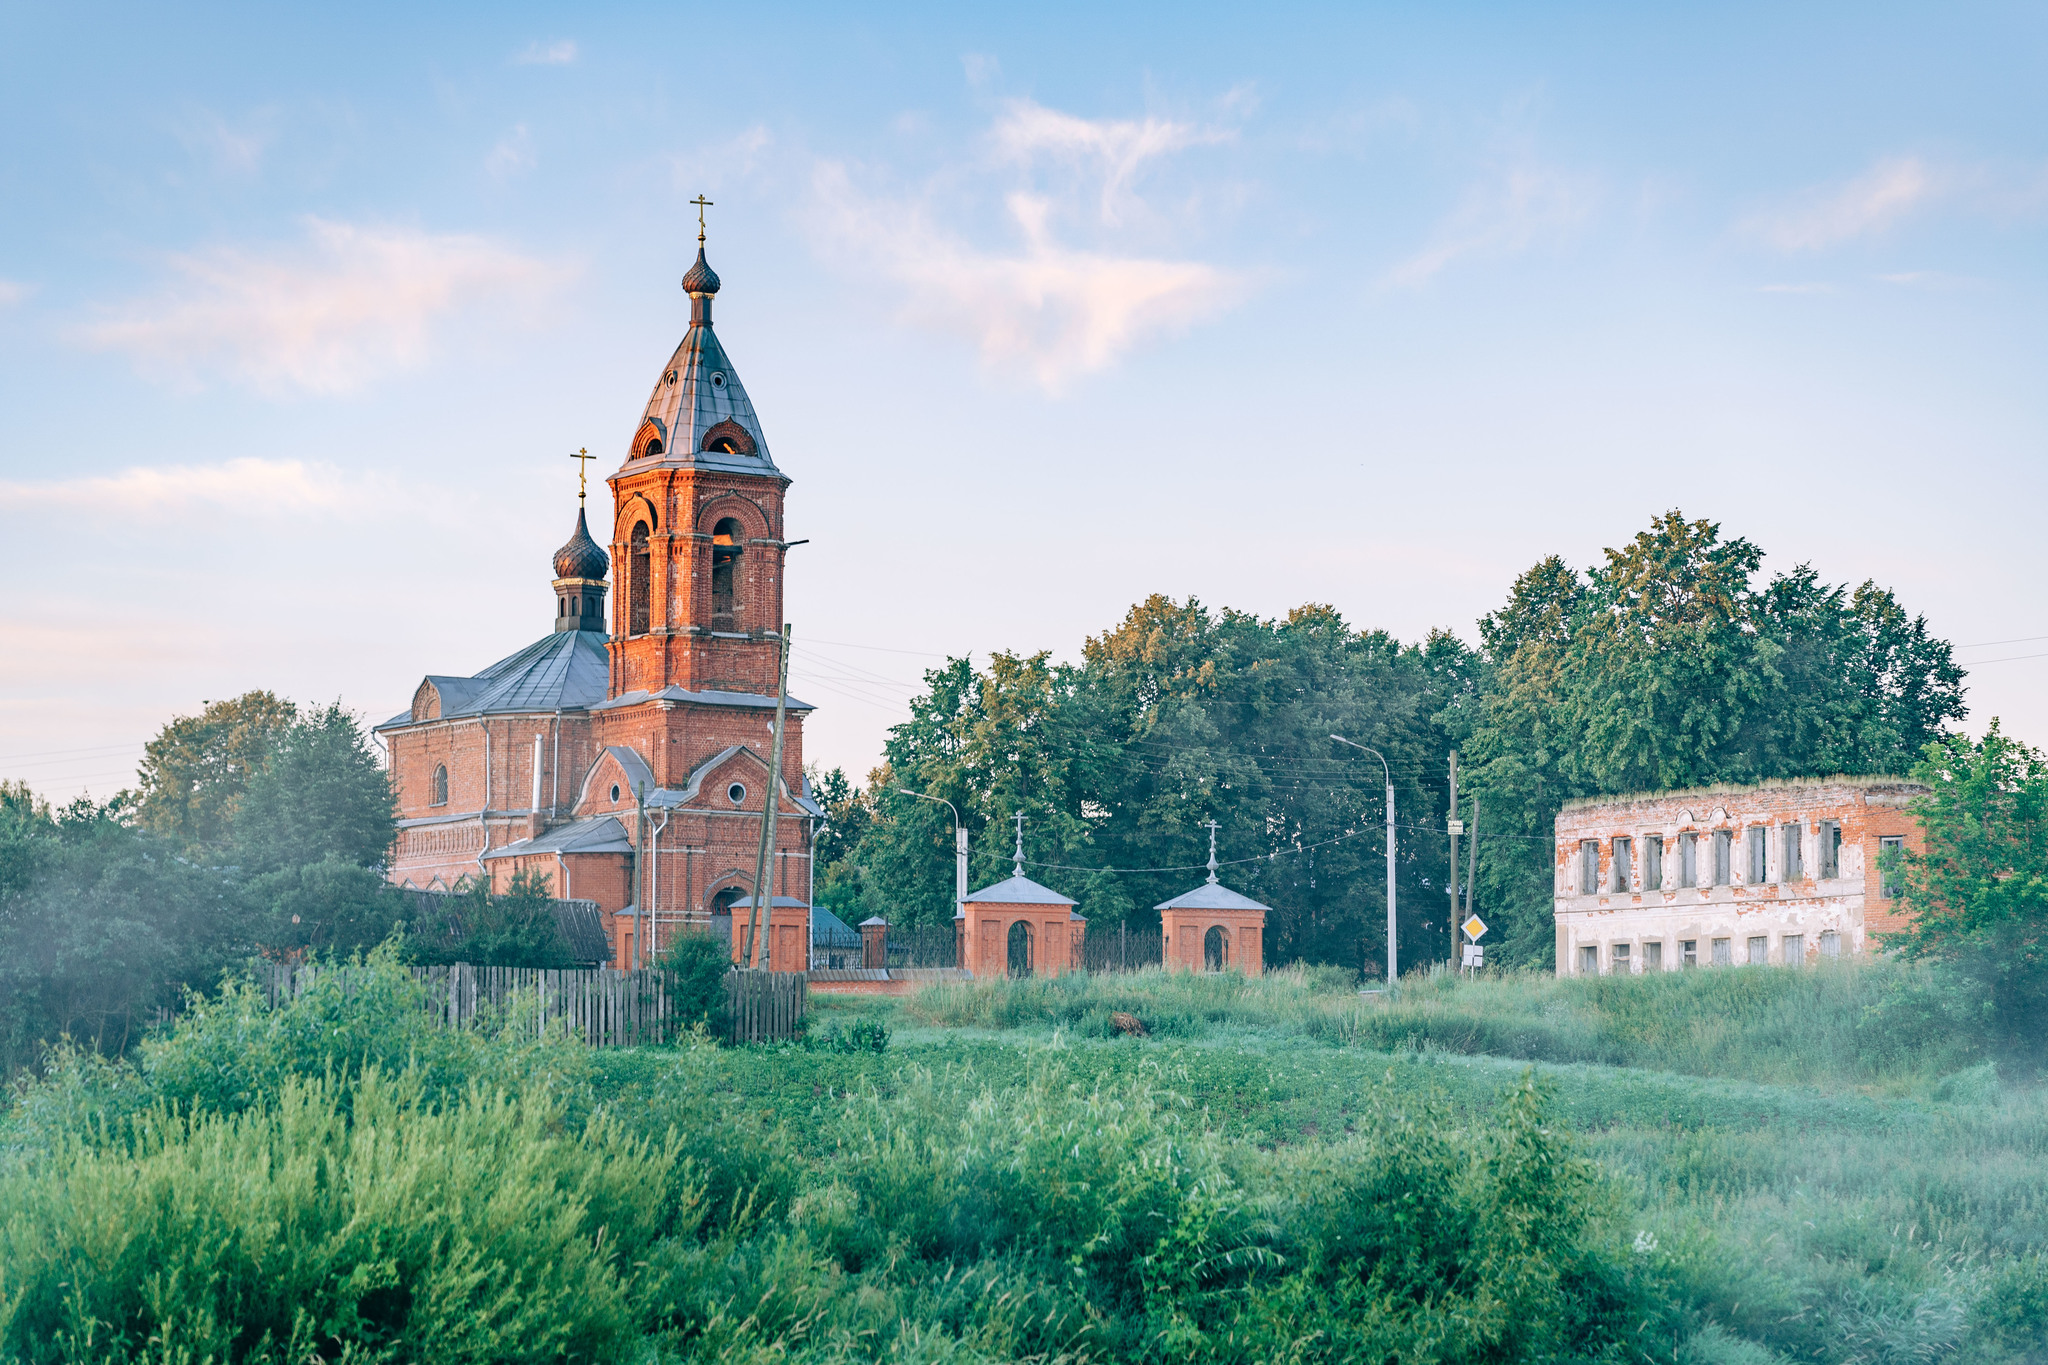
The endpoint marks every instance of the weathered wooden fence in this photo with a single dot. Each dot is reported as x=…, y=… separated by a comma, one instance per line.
x=606, y=1008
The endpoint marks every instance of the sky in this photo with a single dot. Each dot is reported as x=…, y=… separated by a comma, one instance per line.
x=1044, y=309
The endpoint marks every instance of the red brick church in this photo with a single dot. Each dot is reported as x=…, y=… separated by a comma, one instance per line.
x=624, y=757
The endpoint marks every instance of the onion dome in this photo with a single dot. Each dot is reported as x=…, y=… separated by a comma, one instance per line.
x=582, y=557
x=702, y=279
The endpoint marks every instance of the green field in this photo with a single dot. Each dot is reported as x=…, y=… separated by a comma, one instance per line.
x=1742, y=1165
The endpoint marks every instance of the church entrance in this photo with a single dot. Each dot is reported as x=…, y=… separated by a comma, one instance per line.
x=1020, y=949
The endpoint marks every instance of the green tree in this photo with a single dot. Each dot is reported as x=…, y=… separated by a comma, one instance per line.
x=1665, y=667
x=194, y=772
x=513, y=928
x=1979, y=893
x=321, y=795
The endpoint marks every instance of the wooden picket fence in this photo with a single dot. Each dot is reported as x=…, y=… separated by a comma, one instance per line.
x=606, y=1008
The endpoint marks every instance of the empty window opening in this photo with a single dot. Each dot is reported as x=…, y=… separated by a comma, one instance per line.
x=1688, y=952
x=1830, y=848
x=736, y=793
x=1724, y=952
x=1589, y=960
x=1216, y=948
x=1653, y=863
x=615, y=791
x=1792, y=950
x=1619, y=957
x=441, y=785
x=1589, y=866
x=1020, y=949
x=1653, y=955
x=725, y=445
x=640, y=569
x=1689, y=859
x=1830, y=943
x=725, y=552
x=1624, y=851
x=1759, y=855
x=1792, y=863
x=1724, y=841
x=653, y=448
x=1891, y=857
x=1760, y=951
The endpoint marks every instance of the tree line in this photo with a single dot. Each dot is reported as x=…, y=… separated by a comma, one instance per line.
x=1673, y=663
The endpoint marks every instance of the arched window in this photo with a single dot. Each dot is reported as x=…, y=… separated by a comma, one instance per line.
x=654, y=447
x=1020, y=948
x=441, y=785
x=726, y=548
x=724, y=445
x=639, y=570
x=1216, y=949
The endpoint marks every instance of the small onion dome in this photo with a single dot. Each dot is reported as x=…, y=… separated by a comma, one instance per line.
x=582, y=557
x=702, y=279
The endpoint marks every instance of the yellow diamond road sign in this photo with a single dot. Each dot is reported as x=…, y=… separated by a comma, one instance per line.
x=1474, y=927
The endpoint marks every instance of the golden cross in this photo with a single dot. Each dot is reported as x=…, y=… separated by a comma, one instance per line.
x=582, y=470
x=702, y=204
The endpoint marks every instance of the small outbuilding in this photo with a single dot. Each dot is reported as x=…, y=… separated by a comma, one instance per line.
x=1212, y=928
x=1019, y=928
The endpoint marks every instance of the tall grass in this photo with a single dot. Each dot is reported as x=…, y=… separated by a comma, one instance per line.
x=1875, y=1023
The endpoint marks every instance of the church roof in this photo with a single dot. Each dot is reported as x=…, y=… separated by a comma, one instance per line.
x=582, y=557
x=697, y=393
x=1019, y=890
x=754, y=700
x=604, y=834
x=569, y=671
x=1211, y=896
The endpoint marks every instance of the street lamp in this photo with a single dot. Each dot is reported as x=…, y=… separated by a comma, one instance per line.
x=1393, y=966
x=959, y=846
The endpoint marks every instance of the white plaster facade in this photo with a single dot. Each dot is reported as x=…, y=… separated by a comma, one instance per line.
x=1779, y=874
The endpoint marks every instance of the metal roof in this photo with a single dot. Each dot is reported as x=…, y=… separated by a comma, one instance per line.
x=751, y=700
x=830, y=931
x=697, y=390
x=601, y=834
x=1019, y=891
x=1211, y=896
x=569, y=671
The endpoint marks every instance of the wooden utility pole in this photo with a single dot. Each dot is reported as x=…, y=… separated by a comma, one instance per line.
x=1455, y=828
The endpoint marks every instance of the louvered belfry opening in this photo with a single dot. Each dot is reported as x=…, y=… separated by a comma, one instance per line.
x=726, y=548
x=640, y=571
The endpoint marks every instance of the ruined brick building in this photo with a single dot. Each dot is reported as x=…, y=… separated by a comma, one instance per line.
x=623, y=757
x=1781, y=873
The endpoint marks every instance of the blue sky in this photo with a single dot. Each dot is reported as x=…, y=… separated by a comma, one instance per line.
x=1044, y=310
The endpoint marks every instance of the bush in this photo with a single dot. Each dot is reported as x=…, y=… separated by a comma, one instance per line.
x=698, y=964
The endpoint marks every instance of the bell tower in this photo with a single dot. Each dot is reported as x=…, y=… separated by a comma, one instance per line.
x=697, y=534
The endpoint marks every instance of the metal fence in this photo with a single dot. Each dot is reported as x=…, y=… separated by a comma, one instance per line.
x=922, y=945
x=606, y=1008
x=1120, y=949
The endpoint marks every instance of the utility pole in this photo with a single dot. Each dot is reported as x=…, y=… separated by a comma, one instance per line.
x=1393, y=954
x=1456, y=827
x=639, y=876
x=764, y=893
x=1472, y=857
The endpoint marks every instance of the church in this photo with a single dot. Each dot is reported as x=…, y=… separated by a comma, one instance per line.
x=624, y=757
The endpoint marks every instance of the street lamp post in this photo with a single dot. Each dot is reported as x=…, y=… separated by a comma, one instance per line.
x=1393, y=964
x=959, y=846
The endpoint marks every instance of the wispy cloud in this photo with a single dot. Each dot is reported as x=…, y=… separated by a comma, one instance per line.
x=1501, y=216
x=12, y=292
x=251, y=484
x=344, y=307
x=556, y=52
x=1053, y=311
x=236, y=148
x=1871, y=202
x=512, y=155
x=1114, y=150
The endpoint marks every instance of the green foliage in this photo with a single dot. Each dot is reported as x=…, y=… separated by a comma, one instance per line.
x=1667, y=667
x=321, y=796
x=697, y=988
x=861, y=1035
x=194, y=773
x=1979, y=893
x=512, y=928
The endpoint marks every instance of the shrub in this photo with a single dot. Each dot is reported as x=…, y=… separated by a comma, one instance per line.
x=698, y=963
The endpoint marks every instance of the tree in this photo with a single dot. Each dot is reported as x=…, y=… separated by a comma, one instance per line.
x=195, y=771
x=1665, y=668
x=514, y=928
x=1979, y=893
x=321, y=795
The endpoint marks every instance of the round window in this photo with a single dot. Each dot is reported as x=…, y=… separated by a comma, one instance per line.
x=615, y=791
x=718, y=379
x=736, y=793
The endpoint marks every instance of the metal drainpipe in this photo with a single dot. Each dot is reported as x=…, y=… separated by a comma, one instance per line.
x=484, y=819
x=811, y=878
x=654, y=883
